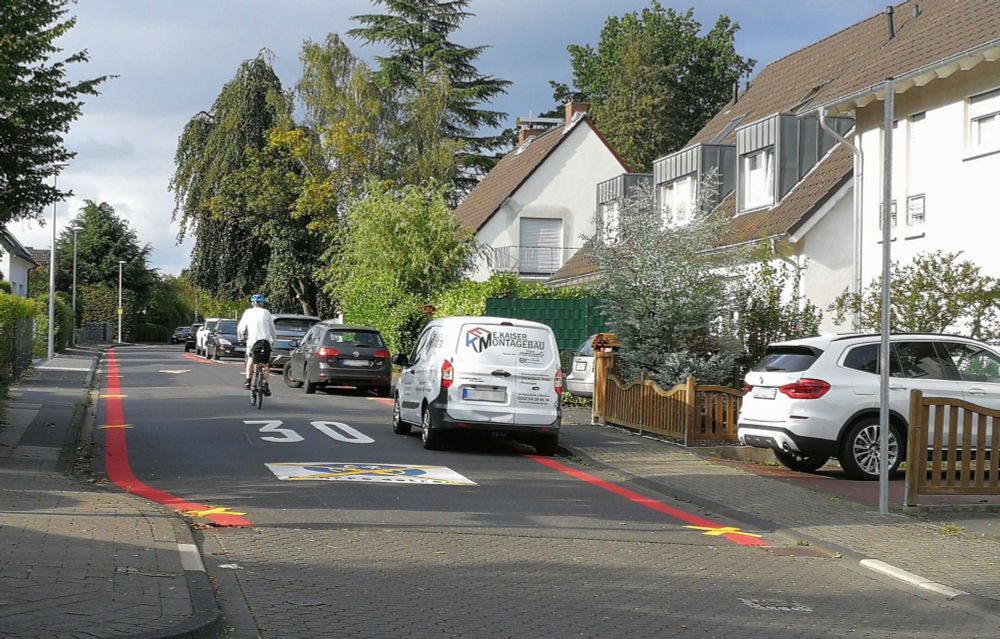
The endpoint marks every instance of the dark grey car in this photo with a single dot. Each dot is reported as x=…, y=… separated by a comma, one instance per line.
x=289, y=328
x=338, y=355
x=223, y=341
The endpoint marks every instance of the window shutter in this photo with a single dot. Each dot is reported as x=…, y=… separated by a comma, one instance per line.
x=540, y=245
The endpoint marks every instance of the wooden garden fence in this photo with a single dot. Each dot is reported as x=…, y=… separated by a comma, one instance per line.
x=952, y=448
x=687, y=412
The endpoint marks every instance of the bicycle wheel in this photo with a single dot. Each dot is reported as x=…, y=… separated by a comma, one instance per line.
x=259, y=388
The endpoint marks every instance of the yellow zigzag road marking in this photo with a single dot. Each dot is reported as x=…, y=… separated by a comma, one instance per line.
x=723, y=530
x=103, y=426
x=113, y=396
x=211, y=511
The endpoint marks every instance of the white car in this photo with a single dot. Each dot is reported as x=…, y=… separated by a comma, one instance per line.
x=201, y=337
x=812, y=399
x=580, y=380
x=485, y=374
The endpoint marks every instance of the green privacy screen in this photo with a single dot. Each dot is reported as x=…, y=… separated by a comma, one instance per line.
x=572, y=320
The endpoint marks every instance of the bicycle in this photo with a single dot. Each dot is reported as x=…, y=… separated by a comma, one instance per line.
x=257, y=382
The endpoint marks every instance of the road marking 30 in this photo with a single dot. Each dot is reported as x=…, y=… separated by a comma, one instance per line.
x=334, y=430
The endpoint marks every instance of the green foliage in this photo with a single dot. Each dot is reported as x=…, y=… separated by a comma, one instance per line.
x=104, y=239
x=16, y=347
x=156, y=333
x=167, y=305
x=663, y=293
x=5, y=287
x=766, y=310
x=417, y=34
x=654, y=81
x=469, y=297
x=37, y=102
x=13, y=308
x=64, y=324
x=935, y=293
x=98, y=303
x=399, y=248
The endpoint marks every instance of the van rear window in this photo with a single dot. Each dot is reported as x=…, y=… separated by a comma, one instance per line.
x=787, y=359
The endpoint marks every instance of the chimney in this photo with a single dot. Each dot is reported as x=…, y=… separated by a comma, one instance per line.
x=916, y=11
x=889, y=22
x=572, y=108
x=736, y=91
x=525, y=132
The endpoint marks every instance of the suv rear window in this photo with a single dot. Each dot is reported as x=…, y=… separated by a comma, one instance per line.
x=863, y=358
x=787, y=359
x=357, y=338
x=293, y=325
x=587, y=348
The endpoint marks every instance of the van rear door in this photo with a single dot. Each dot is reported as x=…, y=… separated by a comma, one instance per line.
x=485, y=376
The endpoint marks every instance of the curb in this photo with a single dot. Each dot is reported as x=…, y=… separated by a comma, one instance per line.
x=979, y=603
x=205, y=621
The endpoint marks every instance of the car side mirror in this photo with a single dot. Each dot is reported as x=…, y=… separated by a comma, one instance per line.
x=293, y=343
x=399, y=359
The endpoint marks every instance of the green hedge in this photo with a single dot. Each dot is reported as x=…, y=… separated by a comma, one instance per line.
x=64, y=324
x=99, y=304
x=147, y=332
x=5, y=287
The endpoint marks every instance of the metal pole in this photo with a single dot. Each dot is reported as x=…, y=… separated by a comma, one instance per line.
x=75, y=231
x=120, y=262
x=52, y=279
x=883, y=413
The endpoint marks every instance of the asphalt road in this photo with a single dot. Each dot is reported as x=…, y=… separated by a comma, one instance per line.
x=351, y=530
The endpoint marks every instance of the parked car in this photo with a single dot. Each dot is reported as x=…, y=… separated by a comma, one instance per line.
x=481, y=373
x=333, y=354
x=223, y=341
x=289, y=328
x=580, y=380
x=180, y=333
x=201, y=337
x=190, y=338
x=812, y=399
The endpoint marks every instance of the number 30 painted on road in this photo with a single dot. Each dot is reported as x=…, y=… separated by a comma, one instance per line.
x=335, y=430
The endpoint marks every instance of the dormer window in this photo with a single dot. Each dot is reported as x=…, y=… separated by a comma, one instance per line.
x=758, y=179
x=677, y=199
x=609, y=221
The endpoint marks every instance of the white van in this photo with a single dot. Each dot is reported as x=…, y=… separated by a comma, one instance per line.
x=484, y=374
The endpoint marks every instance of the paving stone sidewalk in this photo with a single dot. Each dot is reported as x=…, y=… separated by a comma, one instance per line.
x=78, y=560
x=965, y=561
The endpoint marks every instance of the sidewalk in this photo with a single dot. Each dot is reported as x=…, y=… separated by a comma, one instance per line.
x=78, y=560
x=946, y=555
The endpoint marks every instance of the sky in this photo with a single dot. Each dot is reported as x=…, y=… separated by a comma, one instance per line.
x=171, y=58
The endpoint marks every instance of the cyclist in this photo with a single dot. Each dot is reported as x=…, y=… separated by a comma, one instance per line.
x=256, y=327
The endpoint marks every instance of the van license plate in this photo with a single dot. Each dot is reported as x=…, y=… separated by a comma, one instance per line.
x=763, y=392
x=480, y=395
x=359, y=363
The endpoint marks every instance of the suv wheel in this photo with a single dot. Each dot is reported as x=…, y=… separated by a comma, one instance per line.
x=859, y=453
x=800, y=462
x=286, y=374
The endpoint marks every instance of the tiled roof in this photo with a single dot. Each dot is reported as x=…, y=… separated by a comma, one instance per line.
x=11, y=244
x=41, y=256
x=577, y=267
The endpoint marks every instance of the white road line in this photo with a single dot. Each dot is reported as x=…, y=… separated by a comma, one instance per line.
x=62, y=368
x=914, y=580
x=190, y=557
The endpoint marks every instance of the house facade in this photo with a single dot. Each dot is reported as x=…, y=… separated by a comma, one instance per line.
x=15, y=264
x=532, y=211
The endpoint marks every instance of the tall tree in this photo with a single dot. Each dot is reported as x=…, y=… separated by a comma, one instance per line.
x=418, y=36
x=37, y=104
x=104, y=239
x=653, y=81
x=228, y=257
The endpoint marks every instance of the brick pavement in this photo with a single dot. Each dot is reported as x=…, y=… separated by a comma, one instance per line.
x=960, y=560
x=78, y=560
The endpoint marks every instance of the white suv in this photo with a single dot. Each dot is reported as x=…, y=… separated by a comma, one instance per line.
x=812, y=399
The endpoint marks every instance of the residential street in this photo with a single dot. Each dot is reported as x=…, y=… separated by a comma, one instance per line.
x=526, y=551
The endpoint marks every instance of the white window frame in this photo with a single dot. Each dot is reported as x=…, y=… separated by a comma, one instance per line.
x=678, y=199
x=762, y=178
x=892, y=214
x=984, y=108
x=916, y=209
x=610, y=215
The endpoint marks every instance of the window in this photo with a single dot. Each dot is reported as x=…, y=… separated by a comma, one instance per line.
x=974, y=363
x=353, y=338
x=863, y=358
x=914, y=210
x=984, y=122
x=758, y=179
x=787, y=359
x=609, y=221
x=540, y=245
x=892, y=214
x=677, y=199
x=919, y=360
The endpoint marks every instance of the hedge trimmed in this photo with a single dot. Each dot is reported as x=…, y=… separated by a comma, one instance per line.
x=147, y=332
x=64, y=324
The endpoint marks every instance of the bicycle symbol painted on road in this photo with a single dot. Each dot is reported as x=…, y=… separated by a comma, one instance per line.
x=371, y=473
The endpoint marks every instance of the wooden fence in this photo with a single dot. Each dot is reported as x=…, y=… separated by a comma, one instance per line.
x=687, y=412
x=953, y=452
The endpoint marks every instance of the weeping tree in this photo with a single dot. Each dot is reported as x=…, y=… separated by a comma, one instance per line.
x=418, y=36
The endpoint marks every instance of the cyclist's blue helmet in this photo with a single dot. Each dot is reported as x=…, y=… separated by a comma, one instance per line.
x=257, y=298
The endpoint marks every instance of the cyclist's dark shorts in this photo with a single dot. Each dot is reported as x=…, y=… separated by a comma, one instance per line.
x=261, y=352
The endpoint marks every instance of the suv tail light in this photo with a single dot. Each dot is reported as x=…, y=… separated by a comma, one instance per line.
x=805, y=389
x=382, y=354
x=747, y=388
x=559, y=382
x=447, y=374
x=327, y=352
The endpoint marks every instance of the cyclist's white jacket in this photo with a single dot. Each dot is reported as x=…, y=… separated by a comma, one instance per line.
x=257, y=324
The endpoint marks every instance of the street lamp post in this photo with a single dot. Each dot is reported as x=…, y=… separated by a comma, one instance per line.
x=52, y=269
x=120, y=262
x=75, y=231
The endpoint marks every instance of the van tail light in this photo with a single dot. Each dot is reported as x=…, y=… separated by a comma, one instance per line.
x=327, y=352
x=381, y=354
x=805, y=389
x=747, y=388
x=559, y=382
x=447, y=374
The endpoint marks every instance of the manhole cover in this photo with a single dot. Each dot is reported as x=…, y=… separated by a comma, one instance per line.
x=780, y=606
x=305, y=602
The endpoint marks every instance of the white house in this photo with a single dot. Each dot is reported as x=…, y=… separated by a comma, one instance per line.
x=532, y=210
x=786, y=177
x=15, y=263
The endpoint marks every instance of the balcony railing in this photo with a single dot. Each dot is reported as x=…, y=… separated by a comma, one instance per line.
x=530, y=261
